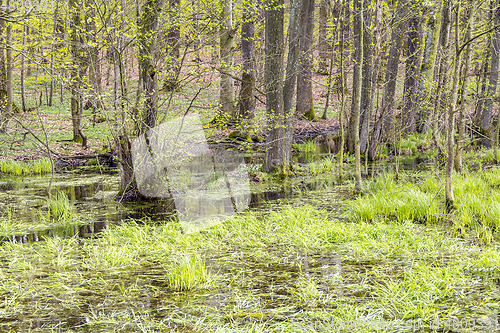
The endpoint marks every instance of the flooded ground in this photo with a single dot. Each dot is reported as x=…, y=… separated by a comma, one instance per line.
x=291, y=263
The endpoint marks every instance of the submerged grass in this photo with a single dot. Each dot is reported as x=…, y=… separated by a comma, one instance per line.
x=18, y=168
x=291, y=269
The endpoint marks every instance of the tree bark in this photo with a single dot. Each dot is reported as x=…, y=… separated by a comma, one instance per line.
x=465, y=83
x=275, y=140
x=422, y=100
x=322, y=40
x=384, y=128
x=493, y=79
x=291, y=76
x=451, y=114
x=305, y=106
x=412, y=65
x=442, y=71
x=248, y=75
x=77, y=71
x=226, y=98
x=148, y=32
x=357, y=103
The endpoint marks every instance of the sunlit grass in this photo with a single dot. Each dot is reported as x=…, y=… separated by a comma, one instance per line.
x=17, y=168
x=186, y=274
x=59, y=207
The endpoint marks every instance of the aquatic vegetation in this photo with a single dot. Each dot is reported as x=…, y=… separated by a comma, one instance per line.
x=18, y=168
x=307, y=147
x=325, y=165
x=60, y=207
x=186, y=274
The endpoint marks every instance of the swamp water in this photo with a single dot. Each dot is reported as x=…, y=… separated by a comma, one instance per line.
x=64, y=280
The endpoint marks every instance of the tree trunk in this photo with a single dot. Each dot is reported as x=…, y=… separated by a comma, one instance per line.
x=3, y=79
x=248, y=74
x=384, y=129
x=291, y=76
x=451, y=114
x=342, y=95
x=367, y=80
x=442, y=71
x=422, y=100
x=275, y=140
x=357, y=102
x=173, y=47
x=10, y=84
x=23, y=89
x=412, y=64
x=148, y=31
x=226, y=99
x=493, y=79
x=322, y=40
x=305, y=106
x=465, y=83
x=76, y=71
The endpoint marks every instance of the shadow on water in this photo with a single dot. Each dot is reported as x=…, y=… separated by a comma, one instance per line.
x=92, y=196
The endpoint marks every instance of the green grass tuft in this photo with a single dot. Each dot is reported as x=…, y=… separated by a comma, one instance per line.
x=187, y=274
x=60, y=207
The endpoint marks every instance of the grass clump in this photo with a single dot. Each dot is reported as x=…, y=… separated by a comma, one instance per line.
x=18, y=168
x=326, y=165
x=60, y=208
x=187, y=274
x=307, y=147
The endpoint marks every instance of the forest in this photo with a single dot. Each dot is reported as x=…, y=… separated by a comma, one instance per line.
x=249, y=166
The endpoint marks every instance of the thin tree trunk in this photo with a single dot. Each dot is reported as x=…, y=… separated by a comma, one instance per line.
x=305, y=106
x=23, y=88
x=442, y=72
x=357, y=105
x=8, y=46
x=465, y=83
x=451, y=116
x=291, y=76
x=275, y=140
x=367, y=73
x=342, y=96
x=3, y=79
